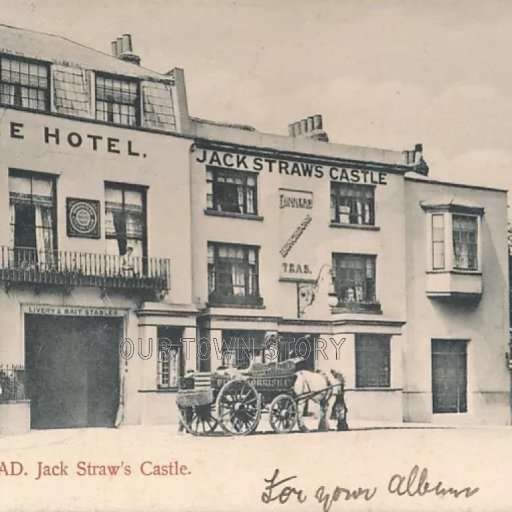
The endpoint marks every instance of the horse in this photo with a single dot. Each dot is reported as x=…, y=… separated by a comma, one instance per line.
x=324, y=388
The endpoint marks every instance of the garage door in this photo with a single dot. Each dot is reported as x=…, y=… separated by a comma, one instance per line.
x=72, y=368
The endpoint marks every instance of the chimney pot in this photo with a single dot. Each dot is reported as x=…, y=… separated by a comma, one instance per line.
x=113, y=45
x=127, y=43
x=303, y=126
x=291, y=130
x=296, y=126
x=120, y=48
x=317, y=121
x=309, y=122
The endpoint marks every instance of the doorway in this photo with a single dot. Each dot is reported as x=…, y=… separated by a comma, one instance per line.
x=72, y=370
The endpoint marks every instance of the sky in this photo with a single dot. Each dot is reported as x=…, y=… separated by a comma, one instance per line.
x=386, y=74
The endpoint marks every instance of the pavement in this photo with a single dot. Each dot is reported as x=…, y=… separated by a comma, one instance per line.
x=220, y=473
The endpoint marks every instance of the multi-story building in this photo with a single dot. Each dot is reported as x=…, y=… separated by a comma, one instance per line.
x=132, y=231
x=95, y=237
x=354, y=260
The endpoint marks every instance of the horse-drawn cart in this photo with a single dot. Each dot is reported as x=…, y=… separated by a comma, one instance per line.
x=234, y=401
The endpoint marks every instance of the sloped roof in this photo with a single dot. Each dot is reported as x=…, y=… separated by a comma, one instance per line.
x=49, y=47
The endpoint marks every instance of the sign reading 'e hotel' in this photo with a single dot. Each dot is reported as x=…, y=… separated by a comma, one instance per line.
x=74, y=139
x=288, y=168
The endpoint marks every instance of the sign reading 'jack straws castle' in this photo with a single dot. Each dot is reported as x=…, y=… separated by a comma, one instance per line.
x=297, y=218
x=245, y=162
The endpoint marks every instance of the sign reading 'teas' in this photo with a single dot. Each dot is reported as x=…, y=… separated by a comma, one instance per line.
x=295, y=216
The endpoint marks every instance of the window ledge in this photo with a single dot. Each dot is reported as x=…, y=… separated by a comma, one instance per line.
x=364, y=227
x=158, y=390
x=371, y=309
x=234, y=215
x=234, y=306
x=375, y=388
x=457, y=272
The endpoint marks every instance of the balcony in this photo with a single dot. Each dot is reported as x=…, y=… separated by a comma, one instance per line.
x=70, y=269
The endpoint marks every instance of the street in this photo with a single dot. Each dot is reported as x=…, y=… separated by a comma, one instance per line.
x=373, y=467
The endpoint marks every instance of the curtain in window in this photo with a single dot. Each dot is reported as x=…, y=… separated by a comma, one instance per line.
x=355, y=279
x=124, y=221
x=238, y=279
x=251, y=195
x=225, y=278
x=44, y=235
x=465, y=242
x=352, y=204
x=174, y=366
x=12, y=223
x=31, y=218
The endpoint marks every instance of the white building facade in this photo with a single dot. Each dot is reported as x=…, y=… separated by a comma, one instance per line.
x=132, y=231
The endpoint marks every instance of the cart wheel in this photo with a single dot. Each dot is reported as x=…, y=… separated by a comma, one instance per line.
x=238, y=408
x=283, y=414
x=198, y=419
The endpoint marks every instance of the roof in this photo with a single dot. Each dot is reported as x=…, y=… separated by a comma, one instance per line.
x=58, y=49
x=428, y=181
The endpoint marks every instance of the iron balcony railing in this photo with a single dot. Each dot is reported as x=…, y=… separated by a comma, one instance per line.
x=69, y=268
x=12, y=383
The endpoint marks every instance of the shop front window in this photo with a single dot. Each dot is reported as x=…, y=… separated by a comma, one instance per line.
x=170, y=357
x=373, y=361
x=241, y=348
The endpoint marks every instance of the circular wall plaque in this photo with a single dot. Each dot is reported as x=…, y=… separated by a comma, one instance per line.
x=83, y=218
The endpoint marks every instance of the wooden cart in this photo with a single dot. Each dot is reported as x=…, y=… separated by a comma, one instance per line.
x=234, y=402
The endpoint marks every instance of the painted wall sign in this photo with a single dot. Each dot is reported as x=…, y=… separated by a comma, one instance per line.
x=75, y=139
x=289, y=168
x=42, y=309
x=295, y=207
x=83, y=217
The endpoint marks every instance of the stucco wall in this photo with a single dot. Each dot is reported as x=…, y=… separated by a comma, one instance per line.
x=483, y=322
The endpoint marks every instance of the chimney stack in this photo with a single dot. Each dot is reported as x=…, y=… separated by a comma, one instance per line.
x=308, y=128
x=122, y=48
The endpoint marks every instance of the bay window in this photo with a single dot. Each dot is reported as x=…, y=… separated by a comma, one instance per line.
x=454, y=241
x=454, y=259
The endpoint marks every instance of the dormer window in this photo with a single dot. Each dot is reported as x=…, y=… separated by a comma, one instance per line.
x=117, y=100
x=24, y=83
